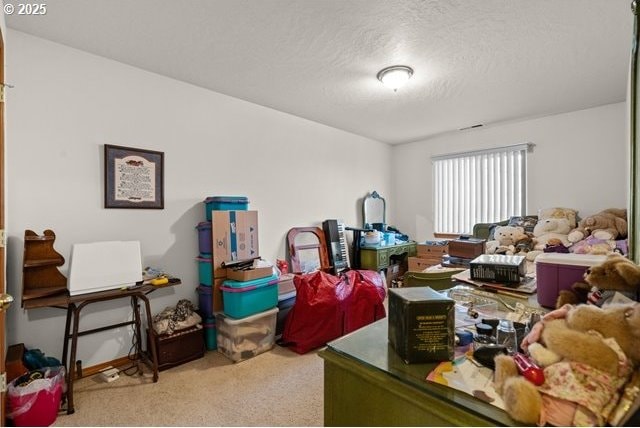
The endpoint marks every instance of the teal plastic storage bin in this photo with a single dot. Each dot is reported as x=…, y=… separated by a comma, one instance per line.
x=225, y=203
x=243, y=298
x=205, y=270
x=210, y=334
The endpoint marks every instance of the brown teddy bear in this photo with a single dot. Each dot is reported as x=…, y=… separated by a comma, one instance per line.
x=588, y=355
x=608, y=224
x=602, y=281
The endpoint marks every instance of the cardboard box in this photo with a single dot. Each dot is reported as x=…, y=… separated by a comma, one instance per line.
x=249, y=274
x=431, y=253
x=235, y=237
x=421, y=324
x=418, y=264
x=217, y=294
x=285, y=284
x=14, y=365
x=426, y=250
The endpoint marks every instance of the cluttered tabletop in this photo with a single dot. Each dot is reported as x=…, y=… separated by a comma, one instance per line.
x=466, y=378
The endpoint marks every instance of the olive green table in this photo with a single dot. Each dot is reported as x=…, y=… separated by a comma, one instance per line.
x=367, y=384
x=380, y=257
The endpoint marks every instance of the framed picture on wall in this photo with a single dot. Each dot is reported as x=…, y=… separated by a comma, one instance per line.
x=133, y=178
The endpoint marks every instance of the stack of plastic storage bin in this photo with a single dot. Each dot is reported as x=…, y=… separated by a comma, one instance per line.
x=245, y=306
x=205, y=289
x=209, y=282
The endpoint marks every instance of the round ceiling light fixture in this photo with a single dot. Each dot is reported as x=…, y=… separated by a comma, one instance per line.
x=395, y=76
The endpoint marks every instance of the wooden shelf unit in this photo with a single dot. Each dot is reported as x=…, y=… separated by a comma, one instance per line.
x=40, y=274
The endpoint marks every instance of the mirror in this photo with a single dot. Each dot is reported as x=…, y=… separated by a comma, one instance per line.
x=307, y=249
x=374, y=211
x=634, y=133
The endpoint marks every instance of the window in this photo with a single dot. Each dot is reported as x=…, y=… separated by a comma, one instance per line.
x=479, y=187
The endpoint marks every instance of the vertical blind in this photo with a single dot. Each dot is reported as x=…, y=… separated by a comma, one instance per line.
x=479, y=187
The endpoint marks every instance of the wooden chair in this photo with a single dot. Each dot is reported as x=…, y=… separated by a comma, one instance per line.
x=307, y=250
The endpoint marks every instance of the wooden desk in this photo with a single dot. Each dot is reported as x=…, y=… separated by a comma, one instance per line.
x=75, y=304
x=378, y=258
x=367, y=384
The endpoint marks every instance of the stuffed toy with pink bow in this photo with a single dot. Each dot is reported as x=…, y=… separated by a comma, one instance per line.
x=587, y=354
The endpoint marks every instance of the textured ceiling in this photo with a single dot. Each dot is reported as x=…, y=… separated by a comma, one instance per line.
x=481, y=61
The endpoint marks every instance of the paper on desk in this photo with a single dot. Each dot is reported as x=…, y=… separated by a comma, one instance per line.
x=440, y=268
x=465, y=376
x=526, y=286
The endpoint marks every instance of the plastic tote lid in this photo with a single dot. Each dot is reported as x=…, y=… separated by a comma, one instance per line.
x=235, y=321
x=204, y=289
x=570, y=259
x=228, y=199
x=269, y=280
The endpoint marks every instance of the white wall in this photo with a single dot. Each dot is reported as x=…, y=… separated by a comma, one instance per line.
x=580, y=161
x=3, y=24
x=67, y=104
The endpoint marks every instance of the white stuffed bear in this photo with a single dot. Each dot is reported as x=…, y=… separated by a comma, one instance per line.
x=505, y=240
x=551, y=228
x=554, y=228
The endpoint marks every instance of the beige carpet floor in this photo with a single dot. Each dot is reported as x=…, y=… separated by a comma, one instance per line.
x=276, y=388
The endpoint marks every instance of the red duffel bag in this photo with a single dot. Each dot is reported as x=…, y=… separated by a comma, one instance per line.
x=328, y=307
x=365, y=302
x=316, y=316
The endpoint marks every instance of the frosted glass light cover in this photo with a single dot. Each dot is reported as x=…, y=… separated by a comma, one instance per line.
x=396, y=76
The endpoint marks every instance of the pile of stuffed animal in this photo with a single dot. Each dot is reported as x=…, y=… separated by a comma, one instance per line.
x=556, y=230
x=589, y=354
x=588, y=348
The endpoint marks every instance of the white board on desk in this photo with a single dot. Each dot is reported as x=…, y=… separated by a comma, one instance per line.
x=98, y=266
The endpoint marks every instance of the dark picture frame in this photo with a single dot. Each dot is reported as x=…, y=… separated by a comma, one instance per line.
x=133, y=178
